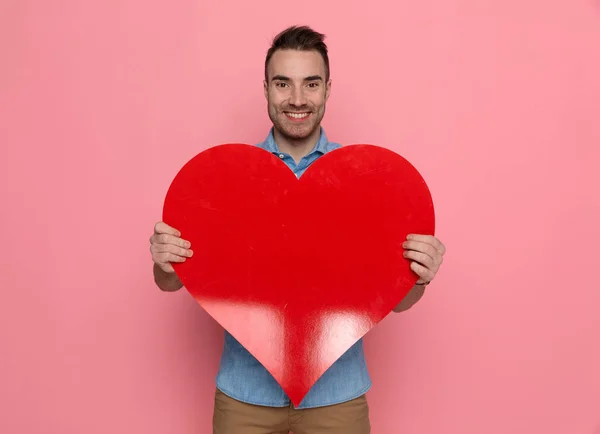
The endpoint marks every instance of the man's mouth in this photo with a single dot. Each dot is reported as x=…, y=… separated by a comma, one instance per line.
x=294, y=116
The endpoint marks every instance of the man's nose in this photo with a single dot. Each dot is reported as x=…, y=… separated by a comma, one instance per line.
x=298, y=98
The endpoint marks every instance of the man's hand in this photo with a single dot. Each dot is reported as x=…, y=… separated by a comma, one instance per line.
x=427, y=254
x=167, y=247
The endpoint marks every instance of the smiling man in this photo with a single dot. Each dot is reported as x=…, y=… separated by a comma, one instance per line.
x=297, y=86
x=248, y=400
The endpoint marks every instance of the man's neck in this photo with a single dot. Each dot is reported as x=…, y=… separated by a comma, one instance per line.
x=297, y=149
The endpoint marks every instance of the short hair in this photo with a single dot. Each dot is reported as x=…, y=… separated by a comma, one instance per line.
x=301, y=38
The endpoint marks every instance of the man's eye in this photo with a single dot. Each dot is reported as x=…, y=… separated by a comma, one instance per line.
x=280, y=84
x=313, y=85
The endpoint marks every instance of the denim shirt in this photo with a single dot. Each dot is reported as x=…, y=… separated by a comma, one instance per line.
x=242, y=377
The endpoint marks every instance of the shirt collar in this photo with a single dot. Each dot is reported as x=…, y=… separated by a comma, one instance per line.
x=321, y=146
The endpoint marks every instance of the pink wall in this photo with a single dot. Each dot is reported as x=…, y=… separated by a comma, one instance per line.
x=497, y=103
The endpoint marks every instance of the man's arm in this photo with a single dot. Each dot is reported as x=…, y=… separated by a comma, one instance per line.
x=426, y=254
x=413, y=296
x=168, y=282
x=167, y=247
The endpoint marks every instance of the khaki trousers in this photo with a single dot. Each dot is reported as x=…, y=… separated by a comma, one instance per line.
x=235, y=417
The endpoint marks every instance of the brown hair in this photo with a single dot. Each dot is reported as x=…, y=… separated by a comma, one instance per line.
x=299, y=38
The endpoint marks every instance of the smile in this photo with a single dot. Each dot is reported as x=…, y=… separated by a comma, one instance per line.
x=297, y=116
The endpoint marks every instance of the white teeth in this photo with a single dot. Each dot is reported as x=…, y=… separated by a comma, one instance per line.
x=297, y=115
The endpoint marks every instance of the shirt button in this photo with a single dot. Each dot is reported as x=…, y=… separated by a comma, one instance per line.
x=281, y=155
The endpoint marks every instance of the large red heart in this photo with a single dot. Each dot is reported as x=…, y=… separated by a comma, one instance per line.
x=298, y=270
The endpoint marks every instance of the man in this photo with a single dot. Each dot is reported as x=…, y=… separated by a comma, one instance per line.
x=248, y=400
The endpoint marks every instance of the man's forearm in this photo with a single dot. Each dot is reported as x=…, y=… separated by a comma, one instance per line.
x=166, y=281
x=413, y=296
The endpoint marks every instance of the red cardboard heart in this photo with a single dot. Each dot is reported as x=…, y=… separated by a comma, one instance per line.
x=298, y=270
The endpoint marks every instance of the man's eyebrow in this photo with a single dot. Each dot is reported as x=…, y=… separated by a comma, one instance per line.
x=309, y=78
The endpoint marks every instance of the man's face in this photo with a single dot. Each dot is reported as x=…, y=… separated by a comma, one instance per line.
x=296, y=92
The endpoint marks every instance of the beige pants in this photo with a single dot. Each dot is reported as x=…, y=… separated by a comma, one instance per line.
x=235, y=417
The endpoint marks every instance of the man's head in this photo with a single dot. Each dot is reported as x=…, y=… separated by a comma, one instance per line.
x=297, y=82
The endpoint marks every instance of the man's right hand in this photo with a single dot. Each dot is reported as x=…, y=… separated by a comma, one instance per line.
x=167, y=247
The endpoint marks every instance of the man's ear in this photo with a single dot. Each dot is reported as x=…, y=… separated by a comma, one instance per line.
x=266, y=88
x=328, y=90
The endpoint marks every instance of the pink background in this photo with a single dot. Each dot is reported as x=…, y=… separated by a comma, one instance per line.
x=496, y=102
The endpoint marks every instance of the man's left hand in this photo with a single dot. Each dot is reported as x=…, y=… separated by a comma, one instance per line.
x=426, y=253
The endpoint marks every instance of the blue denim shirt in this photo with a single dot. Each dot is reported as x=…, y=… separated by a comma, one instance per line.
x=243, y=377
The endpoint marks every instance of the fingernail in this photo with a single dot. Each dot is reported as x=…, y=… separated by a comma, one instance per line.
x=190, y=253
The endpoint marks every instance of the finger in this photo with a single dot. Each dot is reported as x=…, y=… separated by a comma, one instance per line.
x=422, y=247
x=421, y=271
x=423, y=259
x=175, y=258
x=170, y=248
x=442, y=249
x=170, y=239
x=168, y=258
x=429, y=239
x=163, y=228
